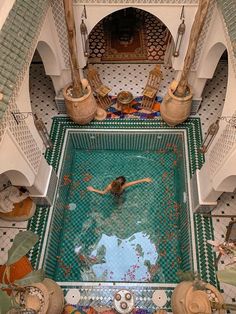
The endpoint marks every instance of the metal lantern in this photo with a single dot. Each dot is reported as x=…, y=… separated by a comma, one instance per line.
x=180, y=34
x=43, y=132
x=211, y=133
x=84, y=36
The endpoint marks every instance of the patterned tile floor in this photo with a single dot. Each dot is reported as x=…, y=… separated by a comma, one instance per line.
x=43, y=105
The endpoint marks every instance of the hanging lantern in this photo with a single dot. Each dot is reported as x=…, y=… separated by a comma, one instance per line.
x=211, y=133
x=180, y=34
x=84, y=36
x=43, y=132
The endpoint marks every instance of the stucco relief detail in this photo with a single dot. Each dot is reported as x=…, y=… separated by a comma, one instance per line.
x=21, y=131
x=59, y=19
x=225, y=143
x=231, y=49
x=203, y=35
x=22, y=136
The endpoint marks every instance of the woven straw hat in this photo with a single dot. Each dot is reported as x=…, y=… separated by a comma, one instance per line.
x=101, y=114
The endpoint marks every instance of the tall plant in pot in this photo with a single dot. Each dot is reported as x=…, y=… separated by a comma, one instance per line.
x=17, y=271
x=23, y=290
x=176, y=104
x=80, y=102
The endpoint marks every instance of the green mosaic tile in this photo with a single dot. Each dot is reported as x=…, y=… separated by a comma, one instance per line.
x=155, y=207
x=203, y=228
x=192, y=126
x=205, y=254
x=37, y=224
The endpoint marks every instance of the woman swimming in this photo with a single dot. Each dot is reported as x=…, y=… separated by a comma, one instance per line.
x=117, y=186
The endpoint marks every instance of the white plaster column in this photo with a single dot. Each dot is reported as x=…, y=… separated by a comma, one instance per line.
x=51, y=54
x=42, y=178
x=213, y=47
x=13, y=162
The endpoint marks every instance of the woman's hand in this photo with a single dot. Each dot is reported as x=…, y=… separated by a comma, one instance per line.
x=90, y=188
x=148, y=180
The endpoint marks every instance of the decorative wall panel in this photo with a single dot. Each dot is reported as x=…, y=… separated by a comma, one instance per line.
x=225, y=143
x=203, y=34
x=231, y=49
x=21, y=131
x=59, y=19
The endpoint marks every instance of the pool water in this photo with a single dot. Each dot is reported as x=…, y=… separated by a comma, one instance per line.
x=137, y=237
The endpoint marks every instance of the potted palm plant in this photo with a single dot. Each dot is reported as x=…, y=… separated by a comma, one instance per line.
x=176, y=105
x=80, y=103
x=23, y=289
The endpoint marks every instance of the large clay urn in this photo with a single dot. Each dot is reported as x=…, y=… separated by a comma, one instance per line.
x=45, y=297
x=81, y=110
x=188, y=300
x=175, y=110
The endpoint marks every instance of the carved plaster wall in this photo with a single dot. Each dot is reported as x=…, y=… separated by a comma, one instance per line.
x=203, y=34
x=59, y=19
x=21, y=131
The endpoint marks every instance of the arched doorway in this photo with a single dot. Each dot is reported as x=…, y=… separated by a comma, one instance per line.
x=42, y=93
x=213, y=96
x=129, y=35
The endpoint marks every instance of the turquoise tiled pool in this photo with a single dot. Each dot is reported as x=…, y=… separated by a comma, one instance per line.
x=147, y=243
x=145, y=235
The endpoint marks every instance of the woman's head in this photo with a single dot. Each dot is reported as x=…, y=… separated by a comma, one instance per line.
x=116, y=185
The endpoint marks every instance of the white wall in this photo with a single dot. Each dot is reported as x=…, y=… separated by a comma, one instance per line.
x=14, y=163
x=24, y=105
x=50, y=51
x=223, y=178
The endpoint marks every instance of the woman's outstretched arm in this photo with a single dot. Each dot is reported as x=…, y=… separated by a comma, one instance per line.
x=107, y=189
x=126, y=185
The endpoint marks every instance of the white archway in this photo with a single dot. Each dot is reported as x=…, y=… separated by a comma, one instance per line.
x=96, y=12
x=49, y=59
x=13, y=162
x=103, y=14
x=211, y=60
x=17, y=178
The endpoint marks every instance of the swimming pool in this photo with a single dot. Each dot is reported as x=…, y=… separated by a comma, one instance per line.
x=146, y=235
x=47, y=222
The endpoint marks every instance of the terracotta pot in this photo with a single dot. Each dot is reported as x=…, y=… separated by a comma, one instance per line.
x=45, y=297
x=17, y=270
x=81, y=110
x=187, y=300
x=175, y=110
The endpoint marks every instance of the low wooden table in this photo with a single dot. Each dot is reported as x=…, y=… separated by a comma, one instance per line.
x=124, y=100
